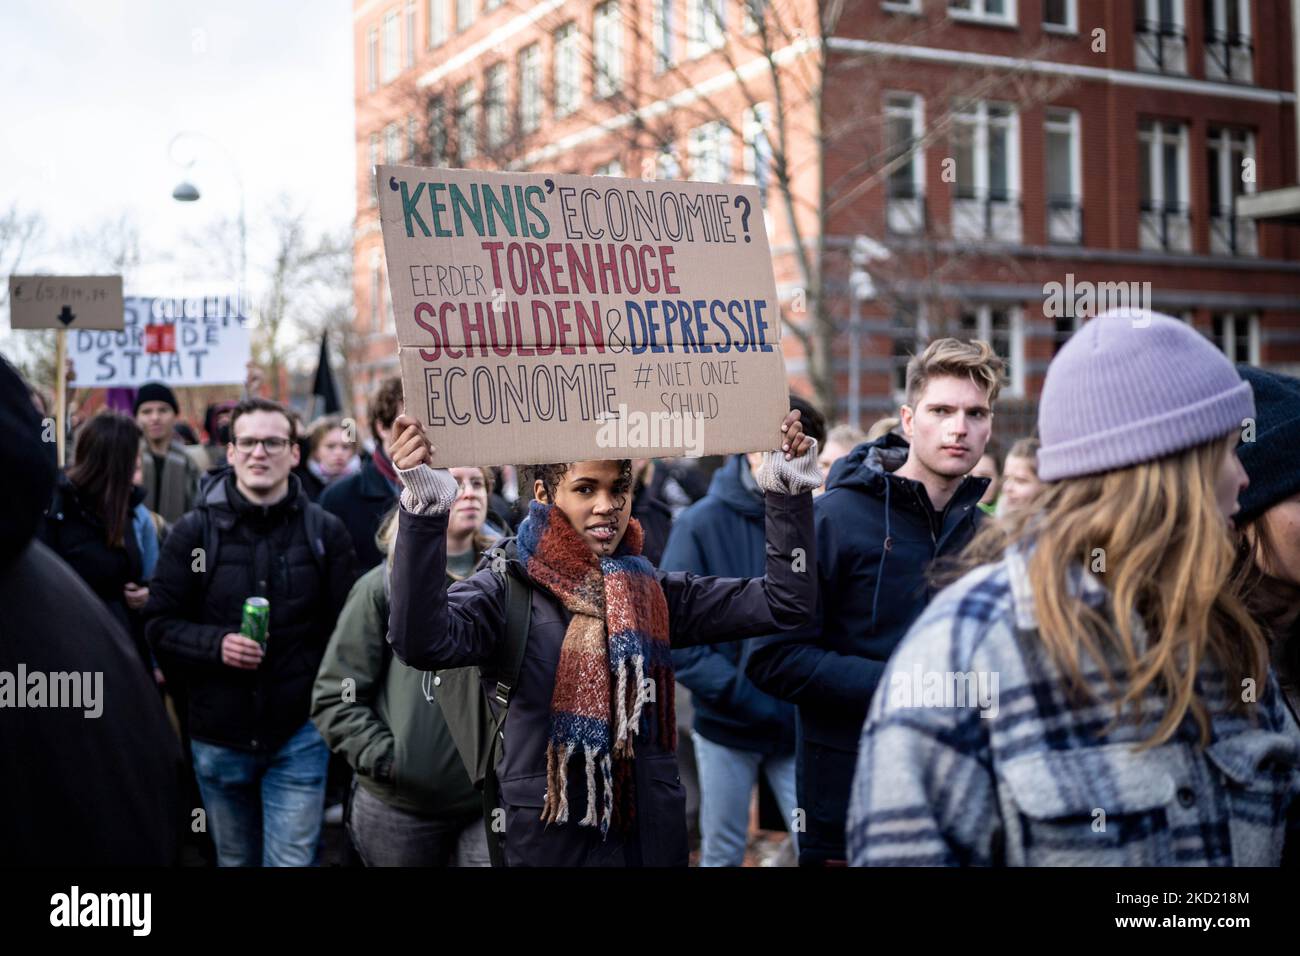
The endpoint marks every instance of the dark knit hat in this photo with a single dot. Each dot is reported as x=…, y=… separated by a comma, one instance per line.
x=155, y=392
x=1272, y=460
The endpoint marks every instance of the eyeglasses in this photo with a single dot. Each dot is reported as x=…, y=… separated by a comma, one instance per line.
x=273, y=446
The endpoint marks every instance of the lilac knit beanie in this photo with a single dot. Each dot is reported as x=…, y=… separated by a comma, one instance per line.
x=1133, y=386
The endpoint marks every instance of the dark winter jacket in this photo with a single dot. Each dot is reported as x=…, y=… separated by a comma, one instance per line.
x=75, y=531
x=722, y=534
x=180, y=481
x=433, y=627
x=261, y=551
x=875, y=544
x=387, y=728
x=80, y=787
x=361, y=502
x=649, y=508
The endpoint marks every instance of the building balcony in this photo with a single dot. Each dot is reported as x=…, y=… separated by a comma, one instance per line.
x=994, y=218
x=906, y=213
x=1161, y=47
x=1165, y=227
x=1064, y=220
x=1229, y=57
x=1232, y=235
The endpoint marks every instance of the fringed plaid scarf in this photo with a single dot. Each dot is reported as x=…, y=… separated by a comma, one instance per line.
x=615, y=660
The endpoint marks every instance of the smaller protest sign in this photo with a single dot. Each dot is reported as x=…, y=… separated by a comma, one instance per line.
x=65, y=302
x=201, y=340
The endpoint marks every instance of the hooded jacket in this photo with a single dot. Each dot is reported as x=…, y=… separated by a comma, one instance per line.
x=262, y=550
x=722, y=534
x=875, y=545
x=361, y=501
x=81, y=788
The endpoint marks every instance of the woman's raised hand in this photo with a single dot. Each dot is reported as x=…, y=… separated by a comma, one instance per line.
x=794, y=442
x=407, y=445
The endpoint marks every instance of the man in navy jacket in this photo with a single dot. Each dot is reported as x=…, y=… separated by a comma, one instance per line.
x=891, y=507
x=739, y=730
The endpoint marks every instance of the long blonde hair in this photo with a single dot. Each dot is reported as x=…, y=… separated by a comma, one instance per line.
x=1168, y=558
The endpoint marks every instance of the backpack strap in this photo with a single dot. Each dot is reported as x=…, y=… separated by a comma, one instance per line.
x=509, y=660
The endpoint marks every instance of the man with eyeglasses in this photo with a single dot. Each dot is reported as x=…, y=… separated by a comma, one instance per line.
x=259, y=760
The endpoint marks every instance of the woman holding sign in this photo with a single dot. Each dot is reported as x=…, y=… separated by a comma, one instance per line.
x=587, y=770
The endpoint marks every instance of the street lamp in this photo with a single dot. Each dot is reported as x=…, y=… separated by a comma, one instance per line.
x=186, y=191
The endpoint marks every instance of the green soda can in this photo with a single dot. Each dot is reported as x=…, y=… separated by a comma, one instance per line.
x=257, y=618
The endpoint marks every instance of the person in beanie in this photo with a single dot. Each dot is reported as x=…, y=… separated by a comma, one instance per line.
x=170, y=475
x=259, y=760
x=589, y=776
x=891, y=508
x=1268, y=550
x=1093, y=693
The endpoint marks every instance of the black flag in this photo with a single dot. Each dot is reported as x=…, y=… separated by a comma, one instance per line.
x=323, y=385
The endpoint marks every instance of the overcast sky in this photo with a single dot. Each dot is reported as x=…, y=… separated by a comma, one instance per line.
x=93, y=92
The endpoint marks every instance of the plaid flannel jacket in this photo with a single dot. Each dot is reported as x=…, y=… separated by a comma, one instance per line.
x=973, y=754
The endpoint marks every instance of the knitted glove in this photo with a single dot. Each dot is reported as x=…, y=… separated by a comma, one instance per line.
x=427, y=491
x=792, y=477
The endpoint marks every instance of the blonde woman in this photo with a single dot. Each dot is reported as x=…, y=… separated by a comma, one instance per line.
x=1094, y=694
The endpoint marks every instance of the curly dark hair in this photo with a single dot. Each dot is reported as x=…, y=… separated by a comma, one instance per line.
x=551, y=475
x=386, y=404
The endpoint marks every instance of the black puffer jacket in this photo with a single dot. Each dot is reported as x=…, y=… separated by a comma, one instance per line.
x=262, y=551
x=431, y=627
x=75, y=532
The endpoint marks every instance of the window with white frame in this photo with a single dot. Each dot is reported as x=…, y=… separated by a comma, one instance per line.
x=1237, y=336
x=911, y=334
x=1229, y=51
x=466, y=121
x=530, y=88
x=1230, y=156
x=994, y=11
x=1003, y=328
x=1165, y=222
x=464, y=14
x=612, y=168
x=373, y=156
x=708, y=150
x=1060, y=16
x=392, y=45
x=376, y=291
x=705, y=26
x=412, y=139
x=437, y=23
x=372, y=59
x=1161, y=36
x=901, y=6
x=662, y=27
x=393, y=143
x=905, y=185
x=757, y=161
x=437, y=132
x=607, y=49
x=564, y=63
x=666, y=165
x=410, y=33
x=986, y=145
x=496, y=107
x=491, y=4
x=1064, y=176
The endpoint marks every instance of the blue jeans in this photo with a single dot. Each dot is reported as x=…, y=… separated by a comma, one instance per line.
x=728, y=776
x=265, y=809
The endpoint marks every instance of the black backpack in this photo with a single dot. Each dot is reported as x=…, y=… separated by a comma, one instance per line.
x=477, y=717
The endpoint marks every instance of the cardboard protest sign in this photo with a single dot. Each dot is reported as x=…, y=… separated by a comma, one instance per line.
x=559, y=318
x=65, y=302
x=190, y=341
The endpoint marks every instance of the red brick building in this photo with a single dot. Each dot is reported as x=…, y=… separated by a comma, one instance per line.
x=988, y=159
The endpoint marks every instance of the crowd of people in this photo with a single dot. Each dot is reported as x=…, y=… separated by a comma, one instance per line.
x=919, y=650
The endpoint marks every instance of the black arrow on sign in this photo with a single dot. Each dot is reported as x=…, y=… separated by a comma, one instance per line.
x=66, y=316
